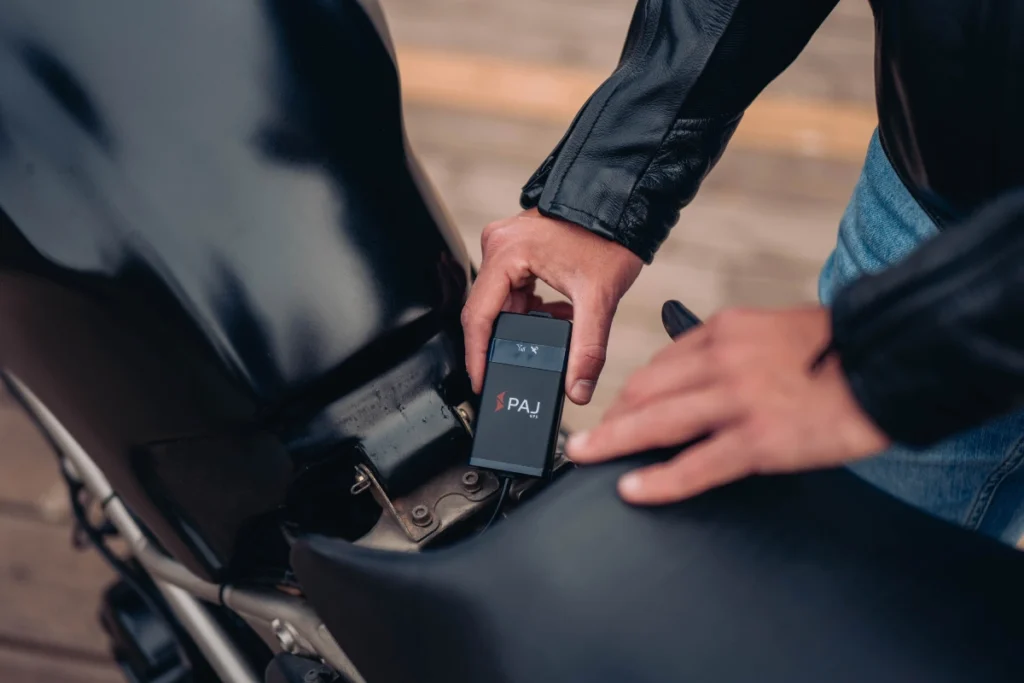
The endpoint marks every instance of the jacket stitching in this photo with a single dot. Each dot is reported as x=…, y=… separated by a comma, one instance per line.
x=676, y=119
x=679, y=125
x=622, y=75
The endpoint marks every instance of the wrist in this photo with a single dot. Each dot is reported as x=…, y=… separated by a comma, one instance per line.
x=857, y=429
x=632, y=241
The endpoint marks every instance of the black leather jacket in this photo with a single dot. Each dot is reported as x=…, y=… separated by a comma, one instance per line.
x=932, y=345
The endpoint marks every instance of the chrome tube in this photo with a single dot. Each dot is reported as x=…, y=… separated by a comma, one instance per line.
x=174, y=581
x=273, y=605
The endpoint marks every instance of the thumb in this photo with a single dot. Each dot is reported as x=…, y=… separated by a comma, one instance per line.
x=588, y=349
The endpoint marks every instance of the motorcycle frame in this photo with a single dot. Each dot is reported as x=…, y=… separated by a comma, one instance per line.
x=291, y=619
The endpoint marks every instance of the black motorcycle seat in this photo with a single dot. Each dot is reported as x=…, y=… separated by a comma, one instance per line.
x=799, y=579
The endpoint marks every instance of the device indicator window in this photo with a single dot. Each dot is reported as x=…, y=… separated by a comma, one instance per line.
x=525, y=354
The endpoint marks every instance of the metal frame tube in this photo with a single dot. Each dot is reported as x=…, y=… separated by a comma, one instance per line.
x=175, y=582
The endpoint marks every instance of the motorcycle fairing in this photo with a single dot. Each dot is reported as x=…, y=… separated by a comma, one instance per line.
x=210, y=225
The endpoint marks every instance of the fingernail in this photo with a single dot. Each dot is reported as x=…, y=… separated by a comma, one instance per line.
x=576, y=442
x=582, y=390
x=630, y=485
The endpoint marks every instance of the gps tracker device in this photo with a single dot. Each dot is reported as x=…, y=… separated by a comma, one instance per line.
x=524, y=390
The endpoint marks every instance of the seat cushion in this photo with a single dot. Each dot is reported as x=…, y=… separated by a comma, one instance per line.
x=796, y=579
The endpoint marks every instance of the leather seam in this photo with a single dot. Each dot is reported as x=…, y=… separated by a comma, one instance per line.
x=676, y=119
x=679, y=123
x=560, y=205
x=646, y=170
x=624, y=75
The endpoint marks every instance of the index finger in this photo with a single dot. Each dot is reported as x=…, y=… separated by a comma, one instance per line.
x=485, y=301
x=670, y=421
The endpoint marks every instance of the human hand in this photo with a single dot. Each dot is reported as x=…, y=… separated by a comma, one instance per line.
x=592, y=272
x=744, y=380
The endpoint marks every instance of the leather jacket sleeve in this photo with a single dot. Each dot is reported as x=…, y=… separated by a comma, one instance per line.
x=935, y=344
x=643, y=143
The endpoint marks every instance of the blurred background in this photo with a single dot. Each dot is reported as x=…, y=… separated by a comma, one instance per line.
x=489, y=87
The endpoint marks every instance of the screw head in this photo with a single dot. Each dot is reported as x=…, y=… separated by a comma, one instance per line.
x=421, y=516
x=285, y=636
x=471, y=481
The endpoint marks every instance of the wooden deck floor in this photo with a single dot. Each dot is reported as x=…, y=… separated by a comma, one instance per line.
x=756, y=235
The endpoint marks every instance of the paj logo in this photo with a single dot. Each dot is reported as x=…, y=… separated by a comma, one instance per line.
x=519, y=405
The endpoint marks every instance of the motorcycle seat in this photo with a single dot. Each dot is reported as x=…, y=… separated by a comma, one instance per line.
x=798, y=579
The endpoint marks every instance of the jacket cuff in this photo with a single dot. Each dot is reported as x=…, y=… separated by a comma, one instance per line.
x=892, y=375
x=640, y=215
x=919, y=375
x=933, y=346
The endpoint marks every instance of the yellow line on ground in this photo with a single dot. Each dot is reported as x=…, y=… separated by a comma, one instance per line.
x=552, y=94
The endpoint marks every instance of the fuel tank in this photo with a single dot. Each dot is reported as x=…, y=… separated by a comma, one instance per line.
x=211, y=226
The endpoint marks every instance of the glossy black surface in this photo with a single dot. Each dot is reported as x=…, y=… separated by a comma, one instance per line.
x=799, y=579
x=210, y=226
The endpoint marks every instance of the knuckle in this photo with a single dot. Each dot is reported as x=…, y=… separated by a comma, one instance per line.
x=519, y=257
x=491, y=228
x=469, y=315
x=494, y=235
x=594, y=352
x=486, y=237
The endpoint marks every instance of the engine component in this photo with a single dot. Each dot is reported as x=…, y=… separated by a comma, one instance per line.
x=143, y=645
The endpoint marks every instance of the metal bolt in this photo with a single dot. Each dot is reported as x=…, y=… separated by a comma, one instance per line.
x=421, y=516
x=285, y=633
x=471, y=481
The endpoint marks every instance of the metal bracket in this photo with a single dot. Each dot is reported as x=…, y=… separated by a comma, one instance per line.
x=408, y=523
x=445, y=500
x=464, y=411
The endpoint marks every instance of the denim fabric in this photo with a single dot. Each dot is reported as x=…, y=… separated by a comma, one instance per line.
x=975, y=479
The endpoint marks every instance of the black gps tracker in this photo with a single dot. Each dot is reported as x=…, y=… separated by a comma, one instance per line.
x=524, y=390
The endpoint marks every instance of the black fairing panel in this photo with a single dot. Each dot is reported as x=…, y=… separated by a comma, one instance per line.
x=208, y=220
x=798, y=579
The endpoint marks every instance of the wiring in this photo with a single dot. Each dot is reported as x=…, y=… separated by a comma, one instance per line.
x=506, y=484
x=96, y=537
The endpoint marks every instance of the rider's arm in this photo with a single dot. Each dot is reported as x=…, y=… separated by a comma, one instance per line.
x=642, y=144
x=935, y=345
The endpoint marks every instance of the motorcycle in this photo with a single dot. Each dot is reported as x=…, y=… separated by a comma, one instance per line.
x=230, y=299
